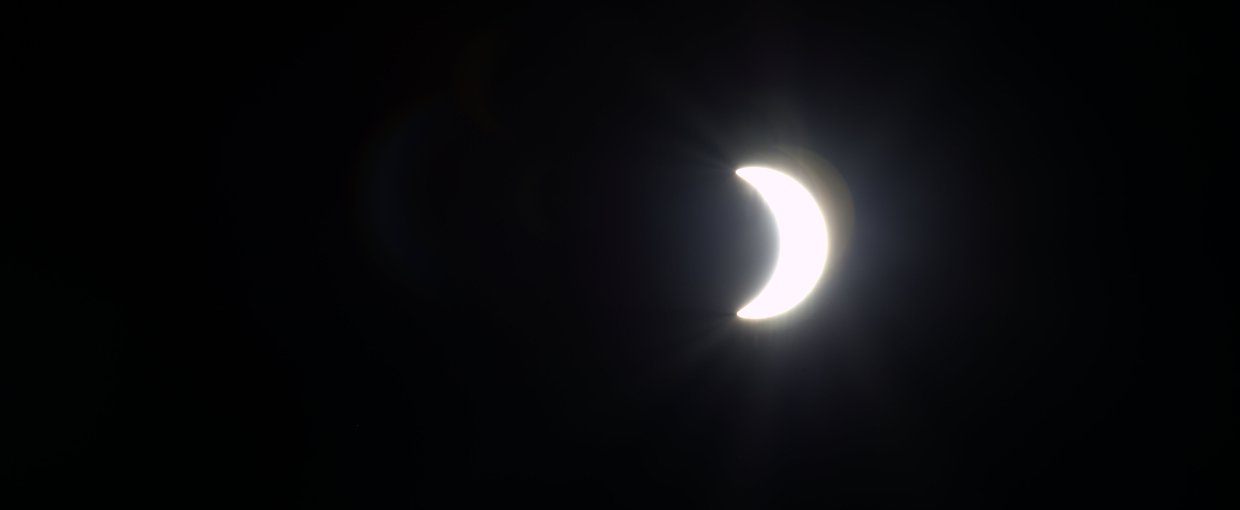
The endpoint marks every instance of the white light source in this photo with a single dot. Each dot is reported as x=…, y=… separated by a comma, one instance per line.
x=802, y=242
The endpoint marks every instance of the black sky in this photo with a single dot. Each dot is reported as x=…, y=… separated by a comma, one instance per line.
x=480, y=256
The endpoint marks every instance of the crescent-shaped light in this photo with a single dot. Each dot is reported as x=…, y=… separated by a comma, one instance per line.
x=802, y=242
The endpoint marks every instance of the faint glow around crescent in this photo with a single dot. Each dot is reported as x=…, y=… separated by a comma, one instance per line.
x=802, y=242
